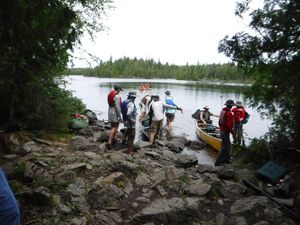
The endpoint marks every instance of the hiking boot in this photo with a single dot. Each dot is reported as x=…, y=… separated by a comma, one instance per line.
x=108, y=146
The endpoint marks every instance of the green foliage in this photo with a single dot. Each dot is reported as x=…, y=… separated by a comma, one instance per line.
x=36, y=38
x=272, y=54
x=19, y=168
x=255, y=155
x=126, y=67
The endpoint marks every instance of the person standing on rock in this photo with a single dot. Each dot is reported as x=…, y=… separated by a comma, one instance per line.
x=114, y=113
x=226, y=124
x=129, y=113
x=9, y=210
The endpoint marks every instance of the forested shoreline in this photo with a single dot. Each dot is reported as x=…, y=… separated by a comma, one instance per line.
x=149, y=68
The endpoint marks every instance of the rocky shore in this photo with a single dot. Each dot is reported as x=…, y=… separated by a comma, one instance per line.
x=83, y=183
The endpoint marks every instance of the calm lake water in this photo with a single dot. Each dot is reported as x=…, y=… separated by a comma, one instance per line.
x=188, y=95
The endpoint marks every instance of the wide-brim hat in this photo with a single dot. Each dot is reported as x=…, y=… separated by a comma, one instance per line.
x=117, y=87
x=229, y=102
x=238, y=103
x=132, y=94
x=206, y=107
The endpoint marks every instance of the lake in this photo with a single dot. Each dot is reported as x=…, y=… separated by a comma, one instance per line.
x=188, y=95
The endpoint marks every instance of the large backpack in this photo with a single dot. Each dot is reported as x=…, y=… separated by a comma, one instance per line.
x=247, y=116
x=196, y=115
x=124, y=108
x=91, y=115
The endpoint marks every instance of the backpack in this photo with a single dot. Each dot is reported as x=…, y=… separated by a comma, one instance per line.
x=124, y=108
x=91, y=115
x=247, y=116
x=196, y=115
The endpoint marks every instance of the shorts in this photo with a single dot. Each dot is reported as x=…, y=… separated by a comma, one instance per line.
x=170, y=117
x=114, y=124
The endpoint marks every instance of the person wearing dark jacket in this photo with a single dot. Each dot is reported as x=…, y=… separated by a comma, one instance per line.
x=129, y=113
x=225, y=123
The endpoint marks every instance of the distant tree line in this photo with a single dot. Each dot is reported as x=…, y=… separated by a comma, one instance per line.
x=148, y=68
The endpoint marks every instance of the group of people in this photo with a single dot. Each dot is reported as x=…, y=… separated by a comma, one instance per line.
x=230, y=121
x=153, y=111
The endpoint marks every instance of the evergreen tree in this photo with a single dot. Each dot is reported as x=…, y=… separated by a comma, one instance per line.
x=272, y=53
x=36, y=38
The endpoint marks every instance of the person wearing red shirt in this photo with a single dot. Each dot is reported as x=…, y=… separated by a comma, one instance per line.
x=238, y=115
x=226, y=125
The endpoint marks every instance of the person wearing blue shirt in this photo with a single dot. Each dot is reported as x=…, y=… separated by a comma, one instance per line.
x=170, y=112
x=9, y=210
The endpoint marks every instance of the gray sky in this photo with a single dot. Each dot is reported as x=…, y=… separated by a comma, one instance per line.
x=173, y=31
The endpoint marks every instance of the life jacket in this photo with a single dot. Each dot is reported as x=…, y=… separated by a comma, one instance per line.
x=124, y=110
x=169, y=101
x=111, y=96
x=238, y=114
x=225, y=122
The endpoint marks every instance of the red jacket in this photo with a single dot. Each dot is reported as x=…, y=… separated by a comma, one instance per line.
x=238, y=114
x=226, y=120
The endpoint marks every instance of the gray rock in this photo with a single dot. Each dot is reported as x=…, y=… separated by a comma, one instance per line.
x=63, y=209
x=249, y=204
x=197, y=188
x=78, y=188
x=164, y=211
x=153, y=154
x=158, y=176
x=221, y=219
x=233, y=188
x=142, y=144
x=92, y=147
x=142, y=180
x=240, y=221
x=74, y=166
x=128, y=188
x=107, y=218
x=173, y=147
x=161, y=191
x=167, y=154
x=65, y=177
x=262, y=222
x=202, y=168
x=126, y=167
x=28, y=147
x=160, y=142
x=9, y=156
x=186, y=161
x=104, y=196
x=35, y=172
x=78, y=143
x=173, y=173
x=78, y=221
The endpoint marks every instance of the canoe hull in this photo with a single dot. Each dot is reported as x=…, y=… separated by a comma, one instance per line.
x=208, y=139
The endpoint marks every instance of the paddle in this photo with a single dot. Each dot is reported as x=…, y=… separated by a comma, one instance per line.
x=257, y=189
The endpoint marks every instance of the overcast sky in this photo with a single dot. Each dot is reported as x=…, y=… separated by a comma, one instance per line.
x=173, y=31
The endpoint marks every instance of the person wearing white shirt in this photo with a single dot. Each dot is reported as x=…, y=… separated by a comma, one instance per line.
x=156, y=115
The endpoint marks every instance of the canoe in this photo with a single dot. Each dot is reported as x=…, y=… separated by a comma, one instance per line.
x=208, y=135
